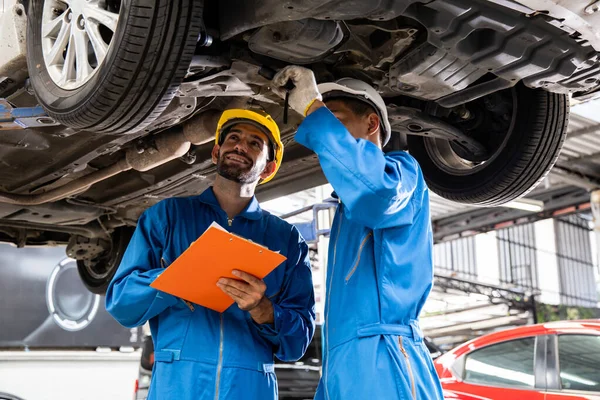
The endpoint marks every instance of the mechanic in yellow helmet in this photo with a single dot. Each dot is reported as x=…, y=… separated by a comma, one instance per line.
x=258, y=124
x=200, y=353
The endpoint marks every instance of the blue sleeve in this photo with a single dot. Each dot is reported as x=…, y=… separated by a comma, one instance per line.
x=129, y=298
x=294, y=312
x=377, y=189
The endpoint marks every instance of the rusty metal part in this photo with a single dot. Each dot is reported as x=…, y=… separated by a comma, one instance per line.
x=85, y=248
x=68, y=189
x=161, y=149
x=165, y=147
x=201, y=129
x=91, y=230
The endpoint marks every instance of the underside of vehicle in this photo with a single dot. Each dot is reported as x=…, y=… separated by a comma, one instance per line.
x=109, y=106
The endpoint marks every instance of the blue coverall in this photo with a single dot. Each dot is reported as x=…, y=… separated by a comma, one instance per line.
x=201, y=354
x=380, y=269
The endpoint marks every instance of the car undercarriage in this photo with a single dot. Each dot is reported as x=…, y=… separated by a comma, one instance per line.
x=92, y=135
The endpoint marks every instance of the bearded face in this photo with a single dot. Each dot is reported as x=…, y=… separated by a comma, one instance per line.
x=243, y=154
x=236, y=166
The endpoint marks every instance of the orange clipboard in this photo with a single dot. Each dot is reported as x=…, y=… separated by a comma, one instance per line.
x=215, y=254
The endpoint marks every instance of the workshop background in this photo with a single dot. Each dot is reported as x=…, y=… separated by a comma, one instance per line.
x=531, y=261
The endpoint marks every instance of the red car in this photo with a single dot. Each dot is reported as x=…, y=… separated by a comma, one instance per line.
x=552, y=361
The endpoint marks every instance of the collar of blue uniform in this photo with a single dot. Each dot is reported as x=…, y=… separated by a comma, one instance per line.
x=252, y=210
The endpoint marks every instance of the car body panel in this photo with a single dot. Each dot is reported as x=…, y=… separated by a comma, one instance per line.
x=456, y=388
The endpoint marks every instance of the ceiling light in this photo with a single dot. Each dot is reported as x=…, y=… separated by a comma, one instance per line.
x=526, y=205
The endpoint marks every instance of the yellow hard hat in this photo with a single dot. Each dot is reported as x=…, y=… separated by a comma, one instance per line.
x=262, y=121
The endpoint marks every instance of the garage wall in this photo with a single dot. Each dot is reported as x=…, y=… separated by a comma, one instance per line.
x=575, y=262
x=518, y=256
x=487, y=258
x=457, y=258
x=548, y=276
x=553, y=257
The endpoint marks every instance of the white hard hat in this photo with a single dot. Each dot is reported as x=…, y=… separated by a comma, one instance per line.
x=357, y=89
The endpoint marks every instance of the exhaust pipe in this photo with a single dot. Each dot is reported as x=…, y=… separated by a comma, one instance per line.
x=66, y=190
x=168, y=146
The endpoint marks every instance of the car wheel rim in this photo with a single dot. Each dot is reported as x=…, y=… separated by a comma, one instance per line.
x=76, y=36
x=70, y=304
x=445, y=157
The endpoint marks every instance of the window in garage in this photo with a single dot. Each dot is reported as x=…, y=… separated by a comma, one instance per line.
x=578, y=357
x=575, y=262
x=517, y=256
x=456, y=257
x=507, y=364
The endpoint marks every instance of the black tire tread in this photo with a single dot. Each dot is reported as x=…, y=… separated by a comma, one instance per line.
x=121, y=238
x=525, y=165
x=151, y=61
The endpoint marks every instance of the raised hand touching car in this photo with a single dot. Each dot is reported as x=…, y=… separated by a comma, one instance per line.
x=305, y=92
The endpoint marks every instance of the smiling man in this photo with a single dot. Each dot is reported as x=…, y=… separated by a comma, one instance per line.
x=199, y=353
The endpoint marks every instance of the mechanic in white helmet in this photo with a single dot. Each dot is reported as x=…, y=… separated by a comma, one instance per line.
x=380, y=268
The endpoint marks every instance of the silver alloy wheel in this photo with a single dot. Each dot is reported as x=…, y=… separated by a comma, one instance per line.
x=76, y=36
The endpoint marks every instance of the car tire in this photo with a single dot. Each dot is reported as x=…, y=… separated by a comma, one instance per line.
x=143, y=61
x=6, y=396
x=96, y=274
x=527, y=153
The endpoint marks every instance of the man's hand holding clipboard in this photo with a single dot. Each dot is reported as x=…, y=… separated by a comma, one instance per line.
x=249, y=294
x=215, y=255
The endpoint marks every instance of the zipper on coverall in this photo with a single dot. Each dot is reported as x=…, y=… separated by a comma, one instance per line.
x=409, y=367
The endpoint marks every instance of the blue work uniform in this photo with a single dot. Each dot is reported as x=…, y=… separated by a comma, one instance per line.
x=201, y=354
x=380, y=269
